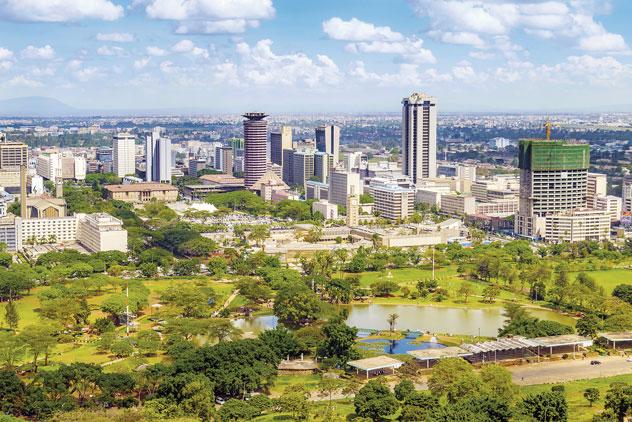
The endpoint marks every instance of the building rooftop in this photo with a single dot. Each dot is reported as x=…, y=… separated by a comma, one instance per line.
x=137, y=187
x=564, y=340
x=377, y=362
x=439, y=353
x=621, y=336
x=221, y=179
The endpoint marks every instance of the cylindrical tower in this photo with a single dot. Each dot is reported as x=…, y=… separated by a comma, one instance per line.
x=255, y=142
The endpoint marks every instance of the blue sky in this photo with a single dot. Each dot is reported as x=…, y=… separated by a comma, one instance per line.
x=318, y=55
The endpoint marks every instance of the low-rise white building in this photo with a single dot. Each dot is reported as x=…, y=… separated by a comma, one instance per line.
x=392, y=200
x=101, y=232
x=46, y=230
x=454, y=204
x=612, y=205
x=577, y=226
x=328, y=210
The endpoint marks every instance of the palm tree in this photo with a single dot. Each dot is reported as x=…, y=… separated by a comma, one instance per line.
x=392, y=319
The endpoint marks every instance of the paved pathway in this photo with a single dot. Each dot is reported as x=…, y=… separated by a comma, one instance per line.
x=227, y=303
x=569, y=370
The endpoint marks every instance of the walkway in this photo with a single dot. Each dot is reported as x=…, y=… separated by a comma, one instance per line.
x=227, y=303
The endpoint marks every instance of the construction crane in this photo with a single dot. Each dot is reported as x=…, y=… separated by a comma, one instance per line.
x=547, y=126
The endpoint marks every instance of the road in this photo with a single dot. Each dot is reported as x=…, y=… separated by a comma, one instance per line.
x=569, y=370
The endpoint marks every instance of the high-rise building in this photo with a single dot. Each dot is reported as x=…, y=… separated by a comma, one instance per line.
x=225, y=157
x=596, y=185
x=157, y=157
x=278, y=142
x=419, y=137
x=255, y=145
x=391, y=200
x=321, y=166
x=342, y=184
x=12, y=154
x=302, y=167
x=353, y=210
x=553, y=180
x=123, y=154
x=627, y=193
x=328, y=140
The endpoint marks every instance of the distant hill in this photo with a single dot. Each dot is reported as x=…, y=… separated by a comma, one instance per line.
x=36, y=107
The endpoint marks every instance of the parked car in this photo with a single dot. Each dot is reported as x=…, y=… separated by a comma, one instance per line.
x=219, y=400
x=595, y=362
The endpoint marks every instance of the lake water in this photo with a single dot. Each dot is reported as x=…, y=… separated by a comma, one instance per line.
x=397, y=347
x=444, y=320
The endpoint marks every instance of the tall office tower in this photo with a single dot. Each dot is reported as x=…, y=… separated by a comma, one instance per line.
x=226, y=160
x=255, y=145
x=278, y=142
x=553, y=180
x=123, y=154
x=48, y=166
x=321, y=166
x=342, y=184
x=157, y=157
x=419, y=137
x=596, y=186
x=302, y=167
x=288, y=166
x=627, y=193
x=328, y=140
x=12, y=154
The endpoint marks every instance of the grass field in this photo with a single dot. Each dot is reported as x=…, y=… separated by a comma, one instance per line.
x=579, y=410
x=609, y=279
x=447, y=278
x=85, y=350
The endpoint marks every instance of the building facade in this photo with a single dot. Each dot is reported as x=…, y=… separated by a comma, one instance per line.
x=419, y=137
x=328, y=141
x=101, y=232
x=157, y=157
x=553, y=180
x=280, y=141
x=123, y=154
x=142, y=192
x=577, y=226
x=342, y=184
x=596, y=185
x=255, y=147
x=392, y=201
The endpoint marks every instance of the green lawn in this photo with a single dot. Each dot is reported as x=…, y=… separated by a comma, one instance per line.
x=609, y=279
x=579, y=410
x=85, y=350
x=447, y=278
x=281, y=382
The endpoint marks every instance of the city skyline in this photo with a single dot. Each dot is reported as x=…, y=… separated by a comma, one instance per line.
x=349, y=56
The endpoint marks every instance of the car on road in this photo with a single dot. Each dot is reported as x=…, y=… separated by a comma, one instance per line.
x=595, y=362
x=629, y=359
x=219, y=400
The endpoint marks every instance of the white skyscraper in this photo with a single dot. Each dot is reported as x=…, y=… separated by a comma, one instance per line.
x=328, y=140
x=419, y=137
x=123, y=154
x=157, y=157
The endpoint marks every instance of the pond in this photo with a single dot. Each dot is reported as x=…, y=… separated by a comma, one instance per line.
x=444, y=320
x=397, y=347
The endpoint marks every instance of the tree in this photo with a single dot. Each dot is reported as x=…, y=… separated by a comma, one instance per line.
x=547, y=406
x=148, y=342
x=623, y=292
x=313, y=235
x=466, y=290
x=498, y=381
x=618, y=401
x=259, y=233
x=404, y=389
x=491, y=292
x=375, y=401
x=591, y=394
x=186, y=267
x=338, y=345
x=238, y=410
x=39, y=339
x=417, y=404
x=454, y=378
x=384, y=288
x=392, y=319
x=588, y=325
x=217, y=266
x=11, y=315
x=327, y=387
x=122, y=348
x=294, y=400
x=191, y=300
x=282, y=341
x=296, y=305
x=148, y=269
x=11, y=349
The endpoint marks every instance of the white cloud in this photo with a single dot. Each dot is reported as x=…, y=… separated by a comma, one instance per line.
x=210, y=9
x=115, y=37
x=259, y=65
x=167, y=66
x=227, y=26
x=141, y=63
x=74, y=64
x=5, y=65
x=410, y=50
x=87, y=73
x=357, y=30
x=408, y=75
x=156, y=51
x=38, y=53
x=572, y=20
x=106, y=50
x=603, y=42
x=59, y=10
x=460, y=38
x=187, y=46
x=5, y=54
x=21, y=80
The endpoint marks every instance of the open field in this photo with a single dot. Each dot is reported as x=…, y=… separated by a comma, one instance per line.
x=609, y=279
